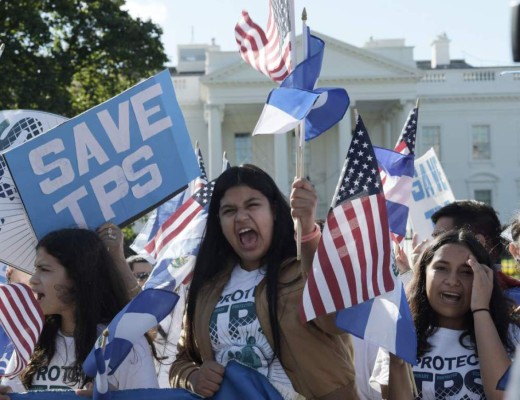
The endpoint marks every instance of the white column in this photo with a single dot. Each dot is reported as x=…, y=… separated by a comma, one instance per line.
x=387, y=134
x=214, y=115
x=344, y=135
x=281, y=166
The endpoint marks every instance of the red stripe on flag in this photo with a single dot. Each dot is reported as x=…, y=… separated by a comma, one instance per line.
x=345, y=257
x=353, y=221
x=327, y=268
x=388, y=278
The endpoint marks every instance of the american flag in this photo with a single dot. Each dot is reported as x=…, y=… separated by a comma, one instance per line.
x=270, y=54
x=22, y=320
x=179, y=220
x=406, y=142
x=353, y=260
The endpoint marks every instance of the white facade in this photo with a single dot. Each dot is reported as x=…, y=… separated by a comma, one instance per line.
x=471, y=115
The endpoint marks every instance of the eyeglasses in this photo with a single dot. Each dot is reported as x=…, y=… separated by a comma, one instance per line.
x=142, y=276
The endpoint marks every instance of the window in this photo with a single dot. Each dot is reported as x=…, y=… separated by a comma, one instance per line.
x=484, y=195
x=431, y=137
x=243, y=148
x=481, y=142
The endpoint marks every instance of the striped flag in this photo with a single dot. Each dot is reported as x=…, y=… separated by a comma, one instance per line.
x=179, y=220
x=353, y=260
x=22, y=321
x=143, y=312
x=406, y=142
x=268, y=53
x=397, y=170
x=162, y=213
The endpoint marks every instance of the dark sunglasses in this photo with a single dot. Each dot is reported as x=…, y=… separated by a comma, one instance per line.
x=142, y=276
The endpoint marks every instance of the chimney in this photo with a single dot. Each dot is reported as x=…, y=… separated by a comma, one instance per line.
x=441, y=51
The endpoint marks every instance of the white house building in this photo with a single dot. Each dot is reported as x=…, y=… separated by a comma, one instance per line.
x=471, y=116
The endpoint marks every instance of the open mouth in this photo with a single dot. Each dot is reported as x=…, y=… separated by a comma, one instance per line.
x=248, y=237
x=451, y=297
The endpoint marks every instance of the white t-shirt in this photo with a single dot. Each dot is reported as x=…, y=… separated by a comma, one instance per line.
x=447, y=371
x=167, y=347
x=365, y=354
x=136, y=371
x=236, y=333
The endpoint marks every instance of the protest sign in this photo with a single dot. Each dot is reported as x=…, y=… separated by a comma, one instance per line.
x=430, y=191
x=17, y=239
x=114, y=162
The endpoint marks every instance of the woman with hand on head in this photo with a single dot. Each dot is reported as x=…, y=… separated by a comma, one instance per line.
x=246, y=291
x=80, y=290
x=466, y=333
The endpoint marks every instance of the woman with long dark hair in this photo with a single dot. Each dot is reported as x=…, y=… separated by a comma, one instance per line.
x=246, y=291
x=466, y=332
x=80, y=290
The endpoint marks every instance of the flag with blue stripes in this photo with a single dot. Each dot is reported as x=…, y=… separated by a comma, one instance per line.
x=101, y=391
x=385, y=321
x=396, y=171
x=297, y=100
x=145, y=311
x=240, y=382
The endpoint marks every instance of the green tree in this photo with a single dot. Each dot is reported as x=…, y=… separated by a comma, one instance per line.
x=66, y=56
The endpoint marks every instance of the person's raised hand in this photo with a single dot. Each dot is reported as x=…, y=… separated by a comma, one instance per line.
x=112, y=237
x=304, y=202
x=482, y=284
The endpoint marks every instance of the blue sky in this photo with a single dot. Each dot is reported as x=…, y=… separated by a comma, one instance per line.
x=479, y=30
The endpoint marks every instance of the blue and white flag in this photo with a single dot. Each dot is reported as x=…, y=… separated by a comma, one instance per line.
x=282, y=114
x=385, y=321
x=284, y=109
x=396, y=171
x=332, y=103
x=101, y=391
x=131, y=323
x=239, y=382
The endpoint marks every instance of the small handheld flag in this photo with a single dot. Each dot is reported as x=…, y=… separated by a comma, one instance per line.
x=353, y=260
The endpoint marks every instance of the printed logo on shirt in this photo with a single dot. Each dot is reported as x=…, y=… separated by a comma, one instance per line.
x=56, y=377
x=446, y=383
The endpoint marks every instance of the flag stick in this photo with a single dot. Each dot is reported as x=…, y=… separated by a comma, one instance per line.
x=2, y=47
x=104, y=340
x=300, y=142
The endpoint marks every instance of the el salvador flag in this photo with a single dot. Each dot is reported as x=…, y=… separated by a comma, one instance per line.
x=101, y=391
x=385, y=321
x=239, y=382
x=397, y=176
x=133, y=321
x=284, y=110
x=297, y=99
x=332, y=103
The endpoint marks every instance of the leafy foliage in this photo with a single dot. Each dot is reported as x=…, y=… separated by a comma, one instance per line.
x=66, y=56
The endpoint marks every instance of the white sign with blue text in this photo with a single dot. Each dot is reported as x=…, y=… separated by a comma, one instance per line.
x=112, y=163
x=430, y=191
